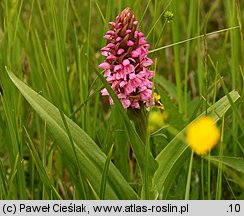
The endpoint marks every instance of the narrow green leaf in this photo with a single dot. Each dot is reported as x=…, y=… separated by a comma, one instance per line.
x=91, y=158
x=173, y=156
x=232, y=162
x=105, y=173
x=3, y=181
x=41, y=171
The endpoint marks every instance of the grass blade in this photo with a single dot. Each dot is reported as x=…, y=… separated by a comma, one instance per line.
x=105, y=173
x=232, y=162
x=52, y=192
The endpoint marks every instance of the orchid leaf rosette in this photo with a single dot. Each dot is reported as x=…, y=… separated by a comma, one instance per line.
x=126, y=65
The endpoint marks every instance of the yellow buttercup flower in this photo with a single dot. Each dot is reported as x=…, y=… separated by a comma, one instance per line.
x=202, y=135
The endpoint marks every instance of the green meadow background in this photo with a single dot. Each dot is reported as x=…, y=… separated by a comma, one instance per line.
x=59, y=139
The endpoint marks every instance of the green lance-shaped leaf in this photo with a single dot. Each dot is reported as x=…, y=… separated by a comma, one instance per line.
x=90, y=157
x=232, y=166
x=235, y=163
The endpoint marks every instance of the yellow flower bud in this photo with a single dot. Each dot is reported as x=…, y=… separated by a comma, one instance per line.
x=156, y=119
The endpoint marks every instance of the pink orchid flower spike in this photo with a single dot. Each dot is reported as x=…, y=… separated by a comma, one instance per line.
x=126, y=64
